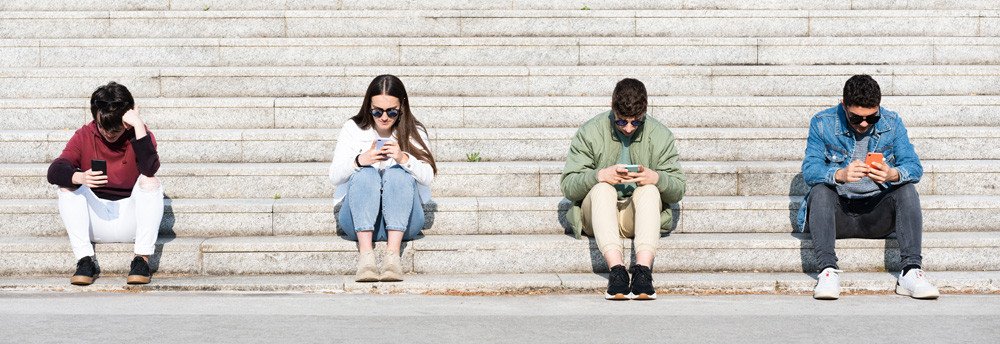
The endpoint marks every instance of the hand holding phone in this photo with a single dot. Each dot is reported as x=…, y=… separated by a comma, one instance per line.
x=872, y=158
x=380, y=142
x=99, y=166
x=633, y=168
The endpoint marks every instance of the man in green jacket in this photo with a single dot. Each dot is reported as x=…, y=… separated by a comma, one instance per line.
x=621, y=173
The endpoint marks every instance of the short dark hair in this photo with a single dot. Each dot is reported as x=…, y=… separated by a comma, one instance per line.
x=109, y=103
x=629, y=99
x=863, y=91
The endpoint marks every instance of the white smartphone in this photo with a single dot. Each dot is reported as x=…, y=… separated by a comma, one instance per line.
x=380, y=142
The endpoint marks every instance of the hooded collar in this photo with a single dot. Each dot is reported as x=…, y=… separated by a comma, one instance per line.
x=118, y=144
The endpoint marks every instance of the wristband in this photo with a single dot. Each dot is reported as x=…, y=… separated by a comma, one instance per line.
x=356, y=162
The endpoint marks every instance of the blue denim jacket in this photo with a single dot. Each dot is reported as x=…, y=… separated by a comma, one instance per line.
x=831, y=142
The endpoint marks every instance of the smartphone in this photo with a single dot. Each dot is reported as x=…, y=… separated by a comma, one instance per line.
x=632, y=168
x=872, y=158
x=99, y=166
x=380, y=142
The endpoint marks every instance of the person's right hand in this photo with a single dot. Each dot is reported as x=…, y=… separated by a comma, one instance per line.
x=852, y=173
x=90, y=179
x=373, y=155
x=613, y=174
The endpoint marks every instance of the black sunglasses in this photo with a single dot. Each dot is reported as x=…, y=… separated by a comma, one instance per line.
x=856, y=119
x=106, y=104
x=635, y=123
x=392, y=112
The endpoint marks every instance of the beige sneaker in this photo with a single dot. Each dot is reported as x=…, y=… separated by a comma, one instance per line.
x=366, y=267
x=392, y=270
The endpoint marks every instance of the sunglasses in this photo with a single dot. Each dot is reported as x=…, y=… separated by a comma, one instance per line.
x=106, y=104
x=855, y=119
x=636, y=123
x=393, y=112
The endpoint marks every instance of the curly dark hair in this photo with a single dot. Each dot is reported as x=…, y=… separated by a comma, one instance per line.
x=863, y=91
x=629, y=99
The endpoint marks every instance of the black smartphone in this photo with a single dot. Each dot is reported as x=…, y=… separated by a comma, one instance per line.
x=99, y=166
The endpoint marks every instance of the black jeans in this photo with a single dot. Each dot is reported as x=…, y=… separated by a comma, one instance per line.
x=897, y=210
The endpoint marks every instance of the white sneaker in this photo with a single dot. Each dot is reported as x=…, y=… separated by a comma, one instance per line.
x=828, y=286
x=915, y=285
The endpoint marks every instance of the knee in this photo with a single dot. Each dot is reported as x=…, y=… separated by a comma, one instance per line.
x=821, y=195
x=907, y=194
x=603, y=190
x=397, y=177
x=646, y=193
x=149, y=184
x=366, y=174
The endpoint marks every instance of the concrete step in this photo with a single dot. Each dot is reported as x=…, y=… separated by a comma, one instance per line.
x=446, y=81
x=486, y=254
x=503, y=179
x=484, y=215
x=492, y=144
x=499, y=51
x=681, y=283
x=231, y=5
x=500, y=23
x=499, y=112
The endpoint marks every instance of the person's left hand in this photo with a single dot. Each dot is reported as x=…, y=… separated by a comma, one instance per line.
x=132, y=118
x=645, y=176
x=391, y=149
x=882, y=173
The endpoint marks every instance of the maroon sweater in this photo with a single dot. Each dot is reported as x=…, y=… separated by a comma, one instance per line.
x=126, y=158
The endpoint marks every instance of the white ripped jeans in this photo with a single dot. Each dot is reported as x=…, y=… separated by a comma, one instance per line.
x=90, y=219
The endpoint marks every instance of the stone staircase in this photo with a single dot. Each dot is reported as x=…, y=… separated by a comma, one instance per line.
x=246, y=98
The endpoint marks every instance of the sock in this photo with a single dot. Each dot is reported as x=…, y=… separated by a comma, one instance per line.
x=910, y=267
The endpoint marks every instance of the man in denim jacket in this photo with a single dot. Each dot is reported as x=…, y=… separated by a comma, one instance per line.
x=851, y=199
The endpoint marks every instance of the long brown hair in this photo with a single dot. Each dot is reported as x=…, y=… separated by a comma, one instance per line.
x=406, y=125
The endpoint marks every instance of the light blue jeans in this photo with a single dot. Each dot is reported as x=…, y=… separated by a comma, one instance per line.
x=381, y=202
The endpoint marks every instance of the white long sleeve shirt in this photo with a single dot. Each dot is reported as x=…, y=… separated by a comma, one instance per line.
x=352, y=141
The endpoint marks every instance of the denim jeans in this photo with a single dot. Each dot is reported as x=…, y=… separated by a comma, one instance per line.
x=896, y=210
x=381, y=202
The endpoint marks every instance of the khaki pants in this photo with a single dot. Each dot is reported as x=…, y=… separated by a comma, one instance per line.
x=609, y=220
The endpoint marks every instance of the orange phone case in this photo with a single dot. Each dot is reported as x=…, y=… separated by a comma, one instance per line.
x=873, y=157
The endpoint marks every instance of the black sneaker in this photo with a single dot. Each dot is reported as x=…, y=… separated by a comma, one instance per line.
x=617, y=284
x=86, y=271
x=139, y=274
x=642, y=283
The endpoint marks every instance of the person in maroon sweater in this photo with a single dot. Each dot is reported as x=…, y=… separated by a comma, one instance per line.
x=123, y=205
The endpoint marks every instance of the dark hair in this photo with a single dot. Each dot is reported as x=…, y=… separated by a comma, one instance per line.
x=629, y=99
x=863, y=91
x=406, y=125
x=109, y=103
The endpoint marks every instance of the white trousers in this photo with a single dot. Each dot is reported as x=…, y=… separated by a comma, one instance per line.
x=90, y=219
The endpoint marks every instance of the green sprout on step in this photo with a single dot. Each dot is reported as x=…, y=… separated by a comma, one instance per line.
x=206, y=8
x=277, y=196
x=473, y=157
x=585, y=8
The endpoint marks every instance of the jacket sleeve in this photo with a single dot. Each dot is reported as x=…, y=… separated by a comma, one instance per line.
x=907, y=161
x=580, y=173
x=344, y=153
x=815, y=169
x=672, y=182
x=146, y=157
x=421, y=170
x=62, y=168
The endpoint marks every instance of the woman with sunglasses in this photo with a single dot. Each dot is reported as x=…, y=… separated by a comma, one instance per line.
x=382, y=168
x=107, y=189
